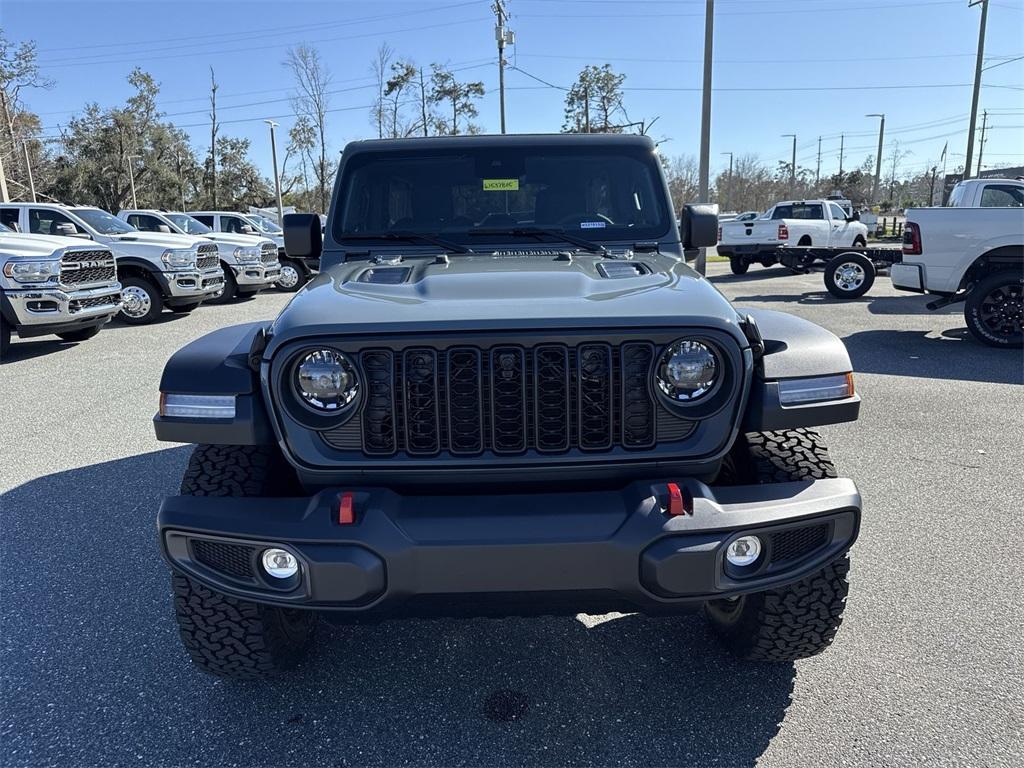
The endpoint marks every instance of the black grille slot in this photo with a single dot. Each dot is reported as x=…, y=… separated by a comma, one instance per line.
x=508, y=399
x=208, y=256
x=465, y=401
x=379, y=435
x=551, y=396
x=421, y=414
x=77, y=305
x=232, y=559
x=638, y=429
x=85, y=267
x=268, y=253
x=798, y=542
x=594, y=375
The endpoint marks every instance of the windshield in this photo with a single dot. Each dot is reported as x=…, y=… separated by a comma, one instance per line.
x=187, y=224
x=598, y=193
x=103, y=222
x=263, y=224
x=5, y=228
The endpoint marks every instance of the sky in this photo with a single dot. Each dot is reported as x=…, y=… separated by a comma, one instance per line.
x=809, y=67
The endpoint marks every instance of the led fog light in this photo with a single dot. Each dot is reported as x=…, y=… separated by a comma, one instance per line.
x=280, y=564
x=744, y=551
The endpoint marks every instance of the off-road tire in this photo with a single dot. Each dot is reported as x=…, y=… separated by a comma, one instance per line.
x=237, y=639
x=861, y=261
x=226, y=636
x=738, y=265
x=800, y=619
x=5, y=337
x=230, y=290
x=80, y=335
x=977, y=305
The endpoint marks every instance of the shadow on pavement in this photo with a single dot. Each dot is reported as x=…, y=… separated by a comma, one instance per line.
x=756, y=274
x=90, y=644
x=876, y=305
x=954, y=354
x=37, y=346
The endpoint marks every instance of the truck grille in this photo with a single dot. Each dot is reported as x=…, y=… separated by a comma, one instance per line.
x=208, y=256
x=507, y=400
x=86, y=267
x=268, y=253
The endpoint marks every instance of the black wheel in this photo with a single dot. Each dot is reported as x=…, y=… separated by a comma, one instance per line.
x=141, y=301
x=226, y=636
x=228, y=292
x=799, y=619
x=859, y=242
x=293, y=276
x=849, y=275
x=994, y=309
x=805, y=240
x=184, y=309
x=738, y=265
x=80, y=335
x=5, y=337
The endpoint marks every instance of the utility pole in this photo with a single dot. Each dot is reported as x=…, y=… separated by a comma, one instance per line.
x=131, y=176
x=842, y=139
x=728, y=182
x=878, y=158
x=4, y=197
x=277, y=176
x=504, y=37
x=181, y=181
x=704, y=169
x=931, y=192
x=817, y=171
x=981, y=143
x=977, y=86
x=28, y=171
x=213, y=138
x=792, y=165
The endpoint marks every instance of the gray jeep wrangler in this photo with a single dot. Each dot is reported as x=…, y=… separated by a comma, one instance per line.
x=506, y=394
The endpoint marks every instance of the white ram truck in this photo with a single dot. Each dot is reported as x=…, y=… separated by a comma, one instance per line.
x=249, y=262
x=971, y=251
x=156, y=269
x=803, y=223
x=55, y=285
x=295, y=272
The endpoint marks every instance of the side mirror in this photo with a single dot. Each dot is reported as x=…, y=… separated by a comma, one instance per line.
x=248, y=229
x=303, y=238
x=163, y=228
x=65, y=230
x=855, y=216
x=698, y=227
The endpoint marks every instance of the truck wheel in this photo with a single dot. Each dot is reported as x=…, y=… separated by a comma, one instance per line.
x=5, y=337
x=142, y=301
x=994, y=310
x=738, y=265
x=226, y=636
x=800, y=619
x=849, y=275
x=80, y=335
x=292, y=276
x=228, y=292
x=860, y=242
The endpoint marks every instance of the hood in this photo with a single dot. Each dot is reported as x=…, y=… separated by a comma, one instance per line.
x=481, y=292
x=42, y=245
x=233, y=238
x=162, y=239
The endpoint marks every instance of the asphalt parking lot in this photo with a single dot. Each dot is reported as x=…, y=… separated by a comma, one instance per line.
x=928, y=668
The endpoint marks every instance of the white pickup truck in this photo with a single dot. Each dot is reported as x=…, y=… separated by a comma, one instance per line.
x=819, y=223
x=971, y=251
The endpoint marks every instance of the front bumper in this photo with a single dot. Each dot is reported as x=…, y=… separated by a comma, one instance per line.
x=194, y=283
x=530, y=553
x=36, y=311
x=255, y=277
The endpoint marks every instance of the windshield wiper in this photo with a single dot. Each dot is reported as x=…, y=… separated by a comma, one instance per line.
x=561, y=234
x=411, y=237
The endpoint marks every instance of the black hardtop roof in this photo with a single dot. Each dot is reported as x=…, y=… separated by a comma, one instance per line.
x=497, y=140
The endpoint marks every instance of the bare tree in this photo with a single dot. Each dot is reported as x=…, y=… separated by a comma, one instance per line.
x=894, y=162
x=379, y=68
x=213, y=138
x=313, y=81
x=18, y=70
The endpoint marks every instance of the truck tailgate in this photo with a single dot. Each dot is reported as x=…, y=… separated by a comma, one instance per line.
x=750, y=232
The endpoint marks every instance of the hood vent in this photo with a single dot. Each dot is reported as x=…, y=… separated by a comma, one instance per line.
x=616, y=269
x=384, y=275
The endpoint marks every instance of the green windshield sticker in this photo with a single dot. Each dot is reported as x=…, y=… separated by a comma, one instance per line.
x=501, y=185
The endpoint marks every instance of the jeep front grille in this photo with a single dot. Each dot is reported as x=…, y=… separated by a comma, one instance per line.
x=507, y=399
x=232, y=559
x=268, y=253
x=87, y=267
x=208, y=256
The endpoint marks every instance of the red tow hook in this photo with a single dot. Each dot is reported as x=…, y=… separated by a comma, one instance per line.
x=346, y=509
x=680, y=501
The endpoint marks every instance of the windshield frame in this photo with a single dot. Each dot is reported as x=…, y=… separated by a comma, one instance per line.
x=476, y=236
x=79, y=214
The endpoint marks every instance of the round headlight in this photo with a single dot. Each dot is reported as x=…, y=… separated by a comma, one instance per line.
x=326, y=380
x=687, y=371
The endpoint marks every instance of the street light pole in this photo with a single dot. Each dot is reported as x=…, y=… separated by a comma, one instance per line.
x=878, y=158
x=131, y=176
x=728, y=183
x=277, y=176
x=977, y=87
x=704, y=169
x=792, y=165
x=28, y=170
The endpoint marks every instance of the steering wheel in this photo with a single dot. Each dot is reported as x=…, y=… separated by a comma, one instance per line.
x=577, y=219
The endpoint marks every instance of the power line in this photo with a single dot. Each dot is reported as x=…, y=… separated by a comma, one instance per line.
x=663, y=60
